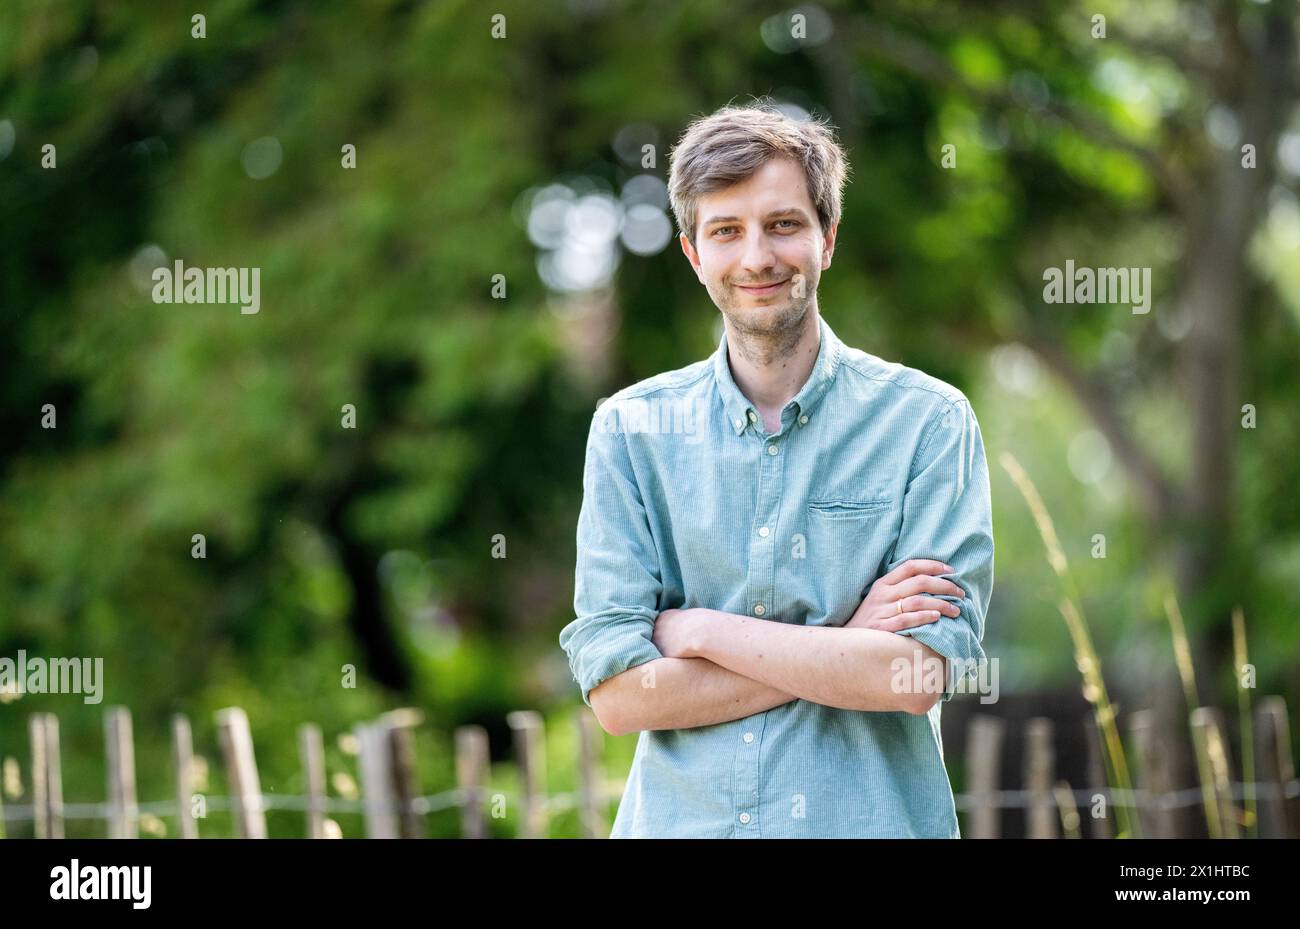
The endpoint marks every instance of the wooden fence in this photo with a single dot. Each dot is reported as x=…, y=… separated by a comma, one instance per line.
x=1054, y=809
x=389, y=802
x=391, y=806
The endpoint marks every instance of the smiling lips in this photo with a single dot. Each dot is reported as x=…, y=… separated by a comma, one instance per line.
x=762, y=290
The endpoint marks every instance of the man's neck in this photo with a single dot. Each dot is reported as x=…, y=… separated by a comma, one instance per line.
x=771, y=370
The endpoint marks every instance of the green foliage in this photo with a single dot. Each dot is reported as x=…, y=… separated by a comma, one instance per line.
x=472, y=412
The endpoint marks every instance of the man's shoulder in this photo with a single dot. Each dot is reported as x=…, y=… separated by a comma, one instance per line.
x=899, y=383
x=667, y=383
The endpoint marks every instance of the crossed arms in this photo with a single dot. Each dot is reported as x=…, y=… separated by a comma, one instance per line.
x=739, y=666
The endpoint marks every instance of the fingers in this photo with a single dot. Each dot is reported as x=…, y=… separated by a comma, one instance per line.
x=907, y=620
x=916, y=603
x=914, y=566
x=926, y=583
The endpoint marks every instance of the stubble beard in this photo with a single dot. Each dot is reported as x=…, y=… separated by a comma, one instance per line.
x=765, y=333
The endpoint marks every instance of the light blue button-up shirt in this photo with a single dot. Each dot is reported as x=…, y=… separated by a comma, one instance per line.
x=689, y=502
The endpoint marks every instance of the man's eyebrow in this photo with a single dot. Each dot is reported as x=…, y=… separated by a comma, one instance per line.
x=787, y=211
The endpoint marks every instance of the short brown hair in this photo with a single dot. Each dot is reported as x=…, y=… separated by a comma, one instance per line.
x=732, y=143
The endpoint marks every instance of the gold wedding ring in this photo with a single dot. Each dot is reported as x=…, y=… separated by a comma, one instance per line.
x=900, y=606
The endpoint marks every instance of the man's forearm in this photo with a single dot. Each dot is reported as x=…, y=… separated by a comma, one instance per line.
x=849, y=668
x=681, y=693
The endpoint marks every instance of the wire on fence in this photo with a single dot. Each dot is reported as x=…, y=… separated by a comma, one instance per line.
x=560, y=802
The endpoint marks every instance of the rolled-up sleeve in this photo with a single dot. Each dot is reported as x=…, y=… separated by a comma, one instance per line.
x=617, y=585
x=948, y=516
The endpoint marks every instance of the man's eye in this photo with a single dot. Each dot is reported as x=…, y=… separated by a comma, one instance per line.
x=722, y=230
x=793, y=222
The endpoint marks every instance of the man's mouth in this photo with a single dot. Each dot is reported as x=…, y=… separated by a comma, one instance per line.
x=762, y=290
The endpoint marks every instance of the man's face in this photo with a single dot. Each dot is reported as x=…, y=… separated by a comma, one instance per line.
x=761, y=231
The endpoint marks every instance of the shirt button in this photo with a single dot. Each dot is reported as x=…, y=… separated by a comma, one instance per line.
x=759, y=609
x=771, y=449
x=803, y=419
x=749, y=736
x=765, y=532
x=744, y=817
x=752, y=417
x=739, y=423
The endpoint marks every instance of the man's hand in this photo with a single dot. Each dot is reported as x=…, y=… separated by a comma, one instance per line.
x=908, y=583
x=674, y=633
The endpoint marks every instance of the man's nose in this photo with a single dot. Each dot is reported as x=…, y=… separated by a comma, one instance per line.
x=758, y=255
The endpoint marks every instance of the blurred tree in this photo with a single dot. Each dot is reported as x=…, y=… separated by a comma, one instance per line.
x=373, y=546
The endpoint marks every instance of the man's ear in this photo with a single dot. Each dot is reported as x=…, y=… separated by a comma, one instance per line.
x=691, y=255
x=828, y=244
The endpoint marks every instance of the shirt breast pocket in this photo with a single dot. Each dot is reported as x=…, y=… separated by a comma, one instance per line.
x=847, y=543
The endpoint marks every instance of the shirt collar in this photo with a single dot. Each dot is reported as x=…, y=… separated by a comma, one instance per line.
x=819, y=380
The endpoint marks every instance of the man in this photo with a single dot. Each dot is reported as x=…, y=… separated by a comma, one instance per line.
x=736, y=511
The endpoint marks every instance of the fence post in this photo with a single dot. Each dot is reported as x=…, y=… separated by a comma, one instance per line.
x=388, y=787
x=311, y=751
x=984, y=763
x=1040, y=764
x=1207, y=729
x=530, y=749
x=378, y=783
x=1101, y=827
x=40, y=807
x=54, y=773
x=1152, y=775
x=124, y=813
x=471, y=779
x=183, y=765
x=399, y=743
x=591, y=786
x=1275, y=766
x=47, y=780
x=241, y=772
x=40, y=810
